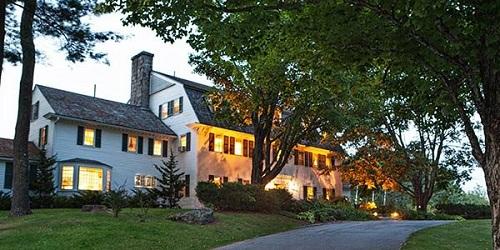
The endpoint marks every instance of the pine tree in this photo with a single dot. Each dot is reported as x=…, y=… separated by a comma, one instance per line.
x=43, y=183
x=171, y=182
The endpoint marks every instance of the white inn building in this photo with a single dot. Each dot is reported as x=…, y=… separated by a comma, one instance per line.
x=102, y=144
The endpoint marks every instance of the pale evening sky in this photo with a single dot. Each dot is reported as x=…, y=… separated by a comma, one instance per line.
x=113, y=81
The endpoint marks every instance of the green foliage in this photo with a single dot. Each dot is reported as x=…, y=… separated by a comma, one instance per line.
x=116, y=200
x=4, y=201
x=42, y=184
x=235, y=196
x=144, y=200
x=171, y=182
x=454, y=194
x=88, y=197
x=319, y=211
x=411, y=214
x=467, y=211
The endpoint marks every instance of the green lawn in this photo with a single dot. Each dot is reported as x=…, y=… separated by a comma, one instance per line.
x=70, y=228
x=470, y=234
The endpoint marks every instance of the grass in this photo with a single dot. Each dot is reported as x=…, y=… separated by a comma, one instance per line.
x=470, y=234
x=70, y=229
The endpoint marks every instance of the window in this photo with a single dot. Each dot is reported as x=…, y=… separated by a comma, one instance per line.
x=132, y=144
x=171, y=108
x=299, y=158
x=219, y=143
x=88, y=137
x=157, y=150
x=145, y=181
x=34, y=111
x=328, y=194
x=42, y=137
x=238, y=147
x=322, y=161
x=310, y=193
x=183, y=143
x=90, y=178
x=67, y=177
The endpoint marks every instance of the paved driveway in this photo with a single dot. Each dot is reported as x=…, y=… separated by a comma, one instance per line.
x=385, y=234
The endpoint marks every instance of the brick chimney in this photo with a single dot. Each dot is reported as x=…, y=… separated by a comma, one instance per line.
x=142, y=65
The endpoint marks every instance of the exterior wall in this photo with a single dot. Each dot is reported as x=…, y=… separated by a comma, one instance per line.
x=235, y=166
x=125, y=165
x=41, y=122
x=179, y=124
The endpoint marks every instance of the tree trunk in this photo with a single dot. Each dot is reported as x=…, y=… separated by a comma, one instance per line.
x=20, y=194
x=492, y=176
x=3, y=13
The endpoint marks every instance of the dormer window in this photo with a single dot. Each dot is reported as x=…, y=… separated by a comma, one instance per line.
x=171, y=108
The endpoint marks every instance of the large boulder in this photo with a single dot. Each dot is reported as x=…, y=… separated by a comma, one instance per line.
x=94, y=208
x=196, y=216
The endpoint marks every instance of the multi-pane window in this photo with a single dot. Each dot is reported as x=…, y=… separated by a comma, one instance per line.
x=89, y=137
x=145, y=181
x=132, y=144
x=157, y=147
x=42, y=140
x=183, y=143
x=67, y=177
x=171, y=108
x=238, y=147
x=90, y=178
x=219, y=143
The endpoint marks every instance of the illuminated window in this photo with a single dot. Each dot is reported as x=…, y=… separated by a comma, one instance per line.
x=217, y=180
x=219, y=143
x=177, y=106
x=67, y=177
x=90, y=179
x=132, y=144
x=89, y=137
x=164, y=111
x=171, y=108
x=238, y=147
x=321, y=161
x=310, y=193
x=145, y=181
x=183, y=141
x=157, y=150
x=108, y=180
x=43, y=136
x=301, y=158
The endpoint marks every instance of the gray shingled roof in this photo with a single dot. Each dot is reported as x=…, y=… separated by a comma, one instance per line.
x=76, y=106
x=7, y=149
x=196, y=93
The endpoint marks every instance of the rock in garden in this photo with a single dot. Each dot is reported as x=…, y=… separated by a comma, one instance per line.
x=197, y=216
x=94, y=208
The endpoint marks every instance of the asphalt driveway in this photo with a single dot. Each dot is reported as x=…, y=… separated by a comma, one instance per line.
x=384, y=234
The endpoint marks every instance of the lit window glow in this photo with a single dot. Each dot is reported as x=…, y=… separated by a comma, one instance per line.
x=132, y=144
x=218, y=180
x=219, y=143
x=88, y=137
x=67, y=177
x=90, y=179
x=310, y=193
x=157, y=147
x=108, y=180
x=145, y=181
x=238, y=147
x=177, y=106
x=183, y=140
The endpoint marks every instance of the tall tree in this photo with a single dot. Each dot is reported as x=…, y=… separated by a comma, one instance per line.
x=43, y=183
x=170, y=182
x=57, y=19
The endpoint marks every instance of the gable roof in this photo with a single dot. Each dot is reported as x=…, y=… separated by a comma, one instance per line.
x=7, y=149
x=196, y=93
x=82, y=107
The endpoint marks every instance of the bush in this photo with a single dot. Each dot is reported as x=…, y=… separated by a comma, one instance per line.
x=4, y=201
x=116, y=200
x=235, y=196
x=407, y=214
x=65, y=202
x=88, y=198
x=322, y=211
x=467, y=211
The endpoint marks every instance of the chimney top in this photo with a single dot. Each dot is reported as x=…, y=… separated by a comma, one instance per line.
x=142, y=53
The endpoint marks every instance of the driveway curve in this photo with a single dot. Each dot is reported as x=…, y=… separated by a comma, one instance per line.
x=384, y=234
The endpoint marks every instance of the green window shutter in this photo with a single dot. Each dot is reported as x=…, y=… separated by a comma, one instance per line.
x=226, y=144
x=79, y=136
x=211, y=142
x=187, y=182
x=151, y=143
x=164, y=148
x=46, y=134
x=124, y=142
x=98, y=134
x=170, y=107
x=40, y=137
x=159, y=111
x=181, y=105
x=188, y=141
x=7, y=183
x=140, y=144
